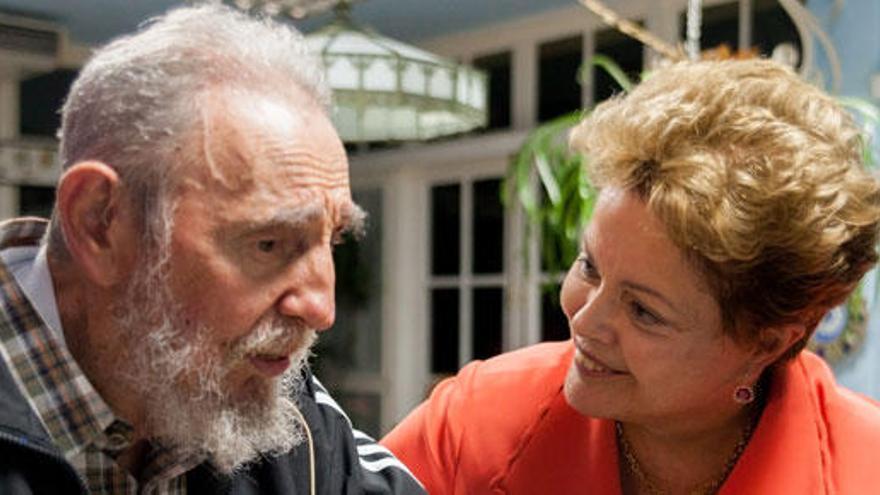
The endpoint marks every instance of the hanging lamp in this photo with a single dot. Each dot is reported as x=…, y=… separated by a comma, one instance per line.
x=385, y=90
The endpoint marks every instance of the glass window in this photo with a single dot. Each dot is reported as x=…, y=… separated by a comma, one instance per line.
x=487, y=325
x=559, y=91
x=445, y=229
x=348, y=358
x=444, y=330
x=498, y=69
x=355, y=342
x=466, y=289
x=554, y=324
x=771, y=26
x=488, y=227
x=40, y=101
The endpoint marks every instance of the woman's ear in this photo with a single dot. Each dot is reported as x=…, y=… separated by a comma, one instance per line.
x=777, y=340
x=96, y=222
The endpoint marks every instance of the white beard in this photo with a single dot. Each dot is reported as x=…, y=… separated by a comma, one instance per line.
x=181, y=377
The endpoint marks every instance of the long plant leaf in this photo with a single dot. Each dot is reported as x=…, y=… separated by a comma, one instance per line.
x=562, y=202
x=613, y=70
x=547, y=178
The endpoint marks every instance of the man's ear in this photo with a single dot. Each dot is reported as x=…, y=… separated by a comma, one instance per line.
x=775, y=341
x=96, y=221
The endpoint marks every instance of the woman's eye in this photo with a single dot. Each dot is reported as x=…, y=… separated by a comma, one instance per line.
x=643, y=315
x=266, y=245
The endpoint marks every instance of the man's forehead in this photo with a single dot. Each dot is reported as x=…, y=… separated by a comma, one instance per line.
x=243, y=136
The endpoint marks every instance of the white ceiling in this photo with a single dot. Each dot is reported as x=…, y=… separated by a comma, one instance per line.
x=95, y=21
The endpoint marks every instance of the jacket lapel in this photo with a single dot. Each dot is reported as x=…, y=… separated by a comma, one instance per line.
x=569, y=453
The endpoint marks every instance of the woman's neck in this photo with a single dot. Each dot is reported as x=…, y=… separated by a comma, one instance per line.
x=684, y=458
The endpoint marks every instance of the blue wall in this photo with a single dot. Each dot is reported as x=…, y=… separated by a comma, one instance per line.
x=855, y=32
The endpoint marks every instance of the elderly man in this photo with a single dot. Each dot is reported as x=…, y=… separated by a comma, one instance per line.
x=154, y=337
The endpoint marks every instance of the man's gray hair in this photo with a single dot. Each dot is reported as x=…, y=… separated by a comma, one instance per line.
x=135, y=100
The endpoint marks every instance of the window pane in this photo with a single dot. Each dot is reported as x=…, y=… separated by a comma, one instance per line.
x=444, y=330
x=445, y=229
x=623, y=50
x=771, y=26
x=487, y=321
x=497, y=67
x=554, y=324
x=36, y=201
x=488, y=227
x=559, y=91
x=41, y=99
x=355, y=342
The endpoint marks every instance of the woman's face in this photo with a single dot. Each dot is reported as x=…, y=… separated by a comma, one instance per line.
x=646, y=329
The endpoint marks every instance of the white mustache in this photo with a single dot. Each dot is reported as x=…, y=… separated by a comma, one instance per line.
x=274, y=336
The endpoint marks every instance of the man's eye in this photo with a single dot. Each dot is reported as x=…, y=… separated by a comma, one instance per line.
x=340, y=236
x=588, y=269
x=267, y=245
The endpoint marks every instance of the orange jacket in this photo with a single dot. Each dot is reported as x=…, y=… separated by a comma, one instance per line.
x=504, y=426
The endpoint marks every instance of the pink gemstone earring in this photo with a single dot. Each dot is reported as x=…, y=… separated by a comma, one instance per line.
x=744, y=394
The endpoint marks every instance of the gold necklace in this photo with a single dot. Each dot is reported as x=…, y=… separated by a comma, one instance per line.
x=709, y=487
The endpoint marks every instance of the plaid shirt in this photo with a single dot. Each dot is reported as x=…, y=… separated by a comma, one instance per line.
x=80, y=423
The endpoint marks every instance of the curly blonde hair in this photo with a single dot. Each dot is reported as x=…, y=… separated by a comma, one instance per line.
x=758, y=177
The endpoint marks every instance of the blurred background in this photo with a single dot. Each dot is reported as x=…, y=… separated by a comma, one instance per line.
x=448, y=273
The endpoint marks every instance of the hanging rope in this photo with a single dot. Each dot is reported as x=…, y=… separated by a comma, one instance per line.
x=805, y=23
x=694, y=20
x=632, y=30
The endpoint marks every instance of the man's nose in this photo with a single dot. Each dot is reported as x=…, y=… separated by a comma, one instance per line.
x=309, y=291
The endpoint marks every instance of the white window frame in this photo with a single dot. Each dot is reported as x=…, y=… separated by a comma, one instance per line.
x=465, y=281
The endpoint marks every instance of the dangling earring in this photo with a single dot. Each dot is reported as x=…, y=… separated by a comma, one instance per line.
x=744, y=394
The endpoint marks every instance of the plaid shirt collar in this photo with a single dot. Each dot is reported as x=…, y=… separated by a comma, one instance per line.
x=72, y=412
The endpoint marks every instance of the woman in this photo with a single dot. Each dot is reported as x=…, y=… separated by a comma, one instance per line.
x=734, y=212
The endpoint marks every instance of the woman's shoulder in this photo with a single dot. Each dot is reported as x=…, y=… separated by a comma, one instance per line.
x=504, y=402
x=464, y=436
x=510, y=393
x=532, y=372
x=506, y=391
x=848, y=427
x=839, y=405
x=544, y=358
